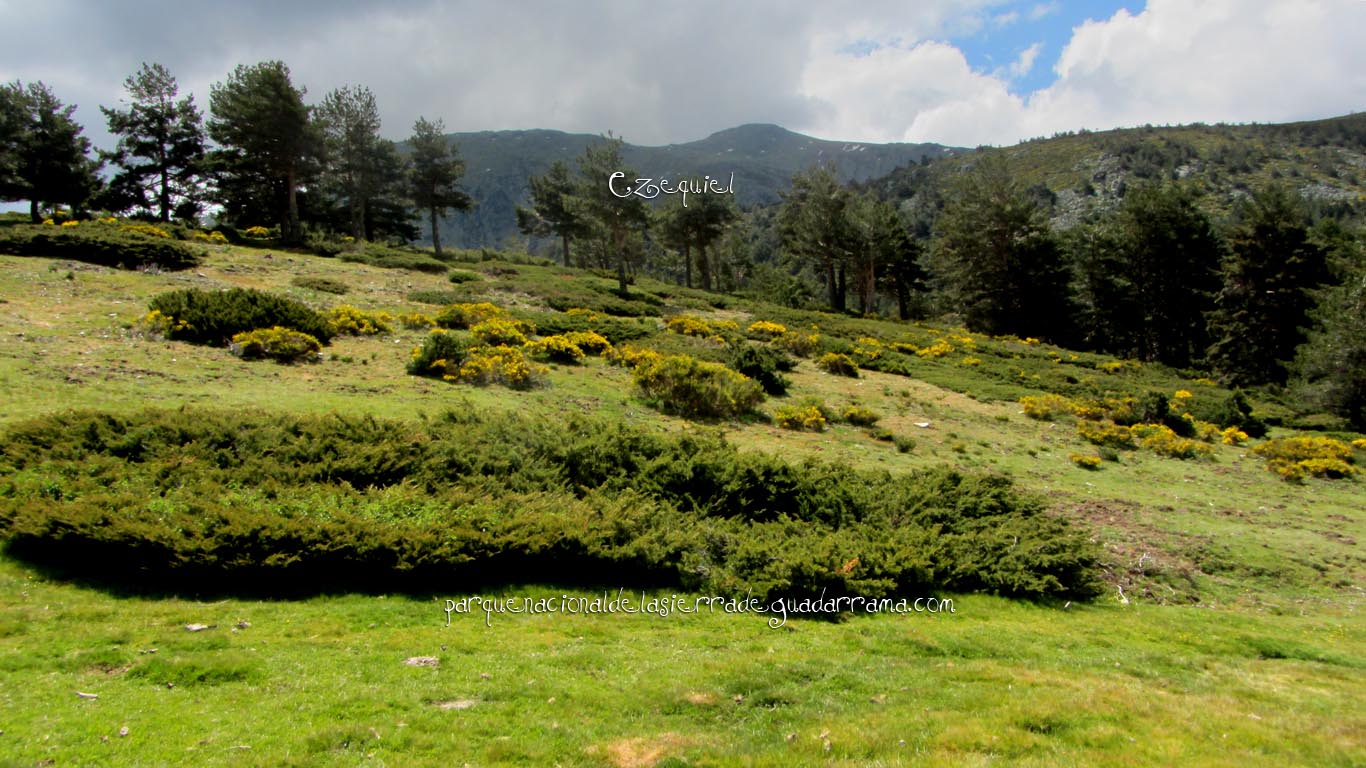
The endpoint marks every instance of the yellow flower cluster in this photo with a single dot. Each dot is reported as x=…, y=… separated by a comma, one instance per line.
x=692, y=325
x=416, y=320
x=766, y=329
x=140, y=228
x=938, y=349
x=470, y=315
x=1045, y=407
x=215, y=237
x=501, y=365
x=867, y=349
x=1117, y=366
x=1085, y=462
x=346, y=320
x=1295, y=457
x=836, y=363
x=555, y=348
x=257, y=232
x=799, y=343
x=72, y=223
x=1233, y=436
x=970, y=361
x=809, y=418
x=590, y=342
x=1105, y=433
x=631, y=357
x=499, y=332
x=859, y=415
x=155, y=325
x=1160, y=439
x=904, y=347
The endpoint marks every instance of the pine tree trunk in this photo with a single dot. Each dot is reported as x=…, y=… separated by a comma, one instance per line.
x=564, y=239
x=165, y=197
x=841, y=289
x=33, y=212
x=687, y=265
x=292, y=233
x=831, y=286
x=704, y=267
x=436, y=235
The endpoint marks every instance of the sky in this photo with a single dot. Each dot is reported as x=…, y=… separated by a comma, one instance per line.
x=962, y=73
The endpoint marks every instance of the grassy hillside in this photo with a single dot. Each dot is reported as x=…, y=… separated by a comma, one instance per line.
x=1228, y=631
x=762, y=157
x=1085, y=172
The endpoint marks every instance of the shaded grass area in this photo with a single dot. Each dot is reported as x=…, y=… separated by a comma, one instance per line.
x=324, y=680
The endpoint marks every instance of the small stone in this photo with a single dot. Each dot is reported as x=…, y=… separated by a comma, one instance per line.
x=422, y=661
x=123, y=731
x=197, y=627
x=87, y=695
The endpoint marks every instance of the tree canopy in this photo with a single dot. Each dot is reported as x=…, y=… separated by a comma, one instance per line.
x=160, y=149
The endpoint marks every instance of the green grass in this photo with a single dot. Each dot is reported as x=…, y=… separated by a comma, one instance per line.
x=1241, y=642
x=324, y=681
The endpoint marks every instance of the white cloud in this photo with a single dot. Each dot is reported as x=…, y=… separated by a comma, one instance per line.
x=1174, y=62
x=1043, y=9
x=871, y=70
x=1024, y=64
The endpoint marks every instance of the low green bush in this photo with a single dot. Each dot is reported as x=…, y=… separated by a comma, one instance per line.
x=615, y=330
x=694, y=388
x=323, y=284
x=214, y=317
x=191, y=500
x=108, y=245
x=440, y=355
x=763, y=364
x=393, y=258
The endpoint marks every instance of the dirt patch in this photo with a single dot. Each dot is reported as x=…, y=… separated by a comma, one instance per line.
x=640, y=752
x=1138, y=562
x=447, y=705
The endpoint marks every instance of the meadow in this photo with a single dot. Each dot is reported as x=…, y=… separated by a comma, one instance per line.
x=1224, y=629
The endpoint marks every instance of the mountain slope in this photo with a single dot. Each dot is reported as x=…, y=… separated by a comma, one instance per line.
x=1088, y=172
x=762, y=157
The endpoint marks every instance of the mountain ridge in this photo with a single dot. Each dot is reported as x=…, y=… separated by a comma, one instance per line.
x=763, y=157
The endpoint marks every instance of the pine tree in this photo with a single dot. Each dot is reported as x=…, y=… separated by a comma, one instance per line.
x=996, y=258
x=1269, y=280
x=362, y=166
x=615, y=219
x=1169, y=256
x=435, y=177
x=816, y=229
x=160, y=148
x=1332, y=364
x=13, y=127
x=693, y=225
x=268, y=145
x=552, y=210
x=43, y=156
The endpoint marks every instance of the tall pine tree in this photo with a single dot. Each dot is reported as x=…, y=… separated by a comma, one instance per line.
x=996, y=258
x=552, y=211
x=1168, y=259
x=44, y=159
x=160, y=149
x=362, y=167
x=434, y=181
x=1269, y=279
x=268, y=145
